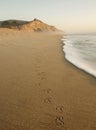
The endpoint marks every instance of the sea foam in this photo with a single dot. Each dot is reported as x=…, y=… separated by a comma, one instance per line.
x=80, y=50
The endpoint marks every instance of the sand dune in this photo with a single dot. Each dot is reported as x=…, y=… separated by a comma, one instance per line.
x=36, y=25
x=39, y=89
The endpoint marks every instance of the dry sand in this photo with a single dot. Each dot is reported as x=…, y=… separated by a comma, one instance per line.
x=39, y=89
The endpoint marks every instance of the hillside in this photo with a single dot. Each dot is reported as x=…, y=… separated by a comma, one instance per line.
x=36, y=25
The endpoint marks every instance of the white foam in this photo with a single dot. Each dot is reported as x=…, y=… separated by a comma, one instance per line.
x=72, y=55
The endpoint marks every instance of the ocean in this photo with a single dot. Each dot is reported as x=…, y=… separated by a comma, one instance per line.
x=80, y=50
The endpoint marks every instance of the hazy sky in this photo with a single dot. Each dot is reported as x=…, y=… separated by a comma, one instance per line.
x=69, y=15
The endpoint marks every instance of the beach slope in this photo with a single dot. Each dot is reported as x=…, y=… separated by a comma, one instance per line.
x=39, y=89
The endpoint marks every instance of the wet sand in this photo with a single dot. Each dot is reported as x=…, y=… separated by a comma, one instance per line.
x=39, y=89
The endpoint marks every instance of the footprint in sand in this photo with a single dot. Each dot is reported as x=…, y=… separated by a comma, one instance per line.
x=38, y=67
x=59, y=120
x=47, y=91
x=48, y=100
x=42, y=78
x=37, y=84
x=42, y=75
x=60, y=109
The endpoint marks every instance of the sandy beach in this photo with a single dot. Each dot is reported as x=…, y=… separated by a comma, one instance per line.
x=39, y=89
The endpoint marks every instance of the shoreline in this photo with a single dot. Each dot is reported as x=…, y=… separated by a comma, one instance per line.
x=63, y=44
x=43, y=91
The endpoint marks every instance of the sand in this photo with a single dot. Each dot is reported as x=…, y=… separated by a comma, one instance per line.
x=39, y=89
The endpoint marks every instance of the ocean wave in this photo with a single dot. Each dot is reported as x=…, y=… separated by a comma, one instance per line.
x=81, y=51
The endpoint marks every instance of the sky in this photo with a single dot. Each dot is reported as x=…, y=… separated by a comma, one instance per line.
x=68, y=15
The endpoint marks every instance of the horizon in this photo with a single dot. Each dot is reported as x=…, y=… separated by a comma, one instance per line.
x=71, y=16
